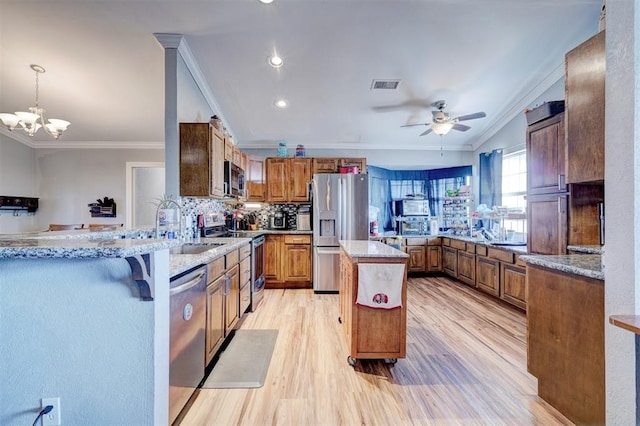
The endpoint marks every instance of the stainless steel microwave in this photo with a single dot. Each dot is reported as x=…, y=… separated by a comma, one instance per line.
x=233, y=180
x=412, y=208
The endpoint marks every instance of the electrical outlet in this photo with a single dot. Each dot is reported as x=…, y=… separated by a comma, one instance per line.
x=52, y=418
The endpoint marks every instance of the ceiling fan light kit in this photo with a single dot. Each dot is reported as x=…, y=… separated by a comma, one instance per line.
x=33, y=120
x=442, y=123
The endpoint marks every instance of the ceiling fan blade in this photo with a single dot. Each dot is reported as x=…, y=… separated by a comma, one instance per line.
x=471, y=116
x=416, y=124
x=460, y=127
x=426, y=132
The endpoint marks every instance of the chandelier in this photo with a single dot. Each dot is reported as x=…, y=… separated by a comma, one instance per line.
x=33, y=120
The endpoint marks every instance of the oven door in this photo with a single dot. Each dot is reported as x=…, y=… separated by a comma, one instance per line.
x=413, y=227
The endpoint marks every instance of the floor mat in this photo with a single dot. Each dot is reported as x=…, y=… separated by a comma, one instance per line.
x=245, y=362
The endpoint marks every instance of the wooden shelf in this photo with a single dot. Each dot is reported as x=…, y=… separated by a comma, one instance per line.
x=628, y=322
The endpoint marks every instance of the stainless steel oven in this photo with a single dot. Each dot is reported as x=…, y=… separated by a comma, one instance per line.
x=412, y=208
x=413, y=225
x=257, y=271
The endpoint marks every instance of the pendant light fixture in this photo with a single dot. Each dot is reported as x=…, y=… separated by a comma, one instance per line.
x=33, y=120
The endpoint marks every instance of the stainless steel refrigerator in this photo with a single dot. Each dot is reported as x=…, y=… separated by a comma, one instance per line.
x=340, y=212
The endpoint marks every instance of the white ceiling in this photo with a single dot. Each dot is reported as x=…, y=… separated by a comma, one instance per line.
x=105, y=69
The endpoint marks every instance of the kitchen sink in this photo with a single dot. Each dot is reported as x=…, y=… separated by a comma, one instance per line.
x=194, y=248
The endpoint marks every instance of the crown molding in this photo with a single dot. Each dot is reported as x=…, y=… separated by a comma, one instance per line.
x=169, y=40
x=361, y=146
x=518, y=107
x=59, y=144
x=18, y=136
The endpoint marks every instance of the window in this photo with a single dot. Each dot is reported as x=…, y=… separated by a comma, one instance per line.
x=439, y=188
x=514, y=186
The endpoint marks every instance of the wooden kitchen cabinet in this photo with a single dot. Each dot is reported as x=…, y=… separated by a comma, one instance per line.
x=514, y=284
x=488, y=275
x=245, y=279
x=467, y=268
x=360, y=162
x=297, y=261
x=288, y=179
x=237, y=156
x=565, y=342
x=325, y=165
x=215, y=317
x=232, y=299
x=547, y=224
x=228, y=150
x=255, y=178
x=416, y=261
x=585, y=68
x=288, y=261
x=450, y=261
x=434, y=258
x=201, y=161
x=546, y=156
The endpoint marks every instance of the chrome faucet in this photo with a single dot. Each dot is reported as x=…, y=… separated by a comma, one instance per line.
x=165, y=204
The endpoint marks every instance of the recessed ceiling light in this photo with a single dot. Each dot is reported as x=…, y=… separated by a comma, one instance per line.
x=266, y=1
x=281, y=103
x=275, y=61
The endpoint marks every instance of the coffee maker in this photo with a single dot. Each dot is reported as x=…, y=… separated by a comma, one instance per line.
x=278, y=220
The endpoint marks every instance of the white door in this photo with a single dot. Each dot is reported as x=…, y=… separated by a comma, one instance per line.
x=145, y=187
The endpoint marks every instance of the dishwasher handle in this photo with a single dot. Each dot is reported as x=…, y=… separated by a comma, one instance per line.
x=188, y=285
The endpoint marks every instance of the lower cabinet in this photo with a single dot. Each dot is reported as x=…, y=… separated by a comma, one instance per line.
x=467, y=268
x=245, y=279
x=434, y=258
x=416, y=258
x=232, y=299
x=288, y=261
x=216, y=291
x=450, y=261
x=514, y=284
x=488, y=275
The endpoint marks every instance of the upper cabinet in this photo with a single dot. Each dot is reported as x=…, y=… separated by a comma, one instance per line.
x=201, y=160
x=332, y=165
x=288, y=179
x=255, y=178
x=546, y=156
x=584, y=110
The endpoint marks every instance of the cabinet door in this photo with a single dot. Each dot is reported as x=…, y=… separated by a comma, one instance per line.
x=297, y=263
x=434, y=259
x=514, y=285
x=488, y=275
x=467, y=268
x=255, y=175
x=325, y=165
x=300, y=170
x=450, y=261
x=237, y=156
x=547, y=224
x=360, y=162
x=584, y=109
x=228, y=150
x=215, y=317
x=194, y=159
x=546, y=156
x=232, y=304
x=217, y=164
x=277, y=180
x=272, y=255
x=416, y=258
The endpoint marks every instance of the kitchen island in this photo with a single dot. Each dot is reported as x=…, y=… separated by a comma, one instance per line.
x=373, y=332
x=565, y=333
x=85, y=317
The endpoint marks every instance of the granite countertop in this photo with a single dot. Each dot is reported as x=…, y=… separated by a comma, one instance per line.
x=587, y=265
x=32, y=248
x=179, y=263
x=358, y=248
x=137, y=233
x=518, y=249
x=593, y=249
x=258, y=232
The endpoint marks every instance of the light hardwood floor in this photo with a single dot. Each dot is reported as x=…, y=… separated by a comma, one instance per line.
x=465, y=364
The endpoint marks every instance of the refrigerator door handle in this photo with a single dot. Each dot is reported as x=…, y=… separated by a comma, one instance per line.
x=328, y=195
x=342, y=206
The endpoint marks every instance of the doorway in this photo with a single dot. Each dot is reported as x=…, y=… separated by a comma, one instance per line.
x=145, y=186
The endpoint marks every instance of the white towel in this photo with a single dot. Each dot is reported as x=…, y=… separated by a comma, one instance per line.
x=380, y=285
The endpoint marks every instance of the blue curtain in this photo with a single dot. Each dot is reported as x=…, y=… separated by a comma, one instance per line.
x=491, y=178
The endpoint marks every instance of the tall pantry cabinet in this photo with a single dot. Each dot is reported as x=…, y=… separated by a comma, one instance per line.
x=546, y=188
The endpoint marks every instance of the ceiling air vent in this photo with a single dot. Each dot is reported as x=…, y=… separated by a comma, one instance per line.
x=385, y=84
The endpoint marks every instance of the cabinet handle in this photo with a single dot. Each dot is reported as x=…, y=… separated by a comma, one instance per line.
x=560, y=181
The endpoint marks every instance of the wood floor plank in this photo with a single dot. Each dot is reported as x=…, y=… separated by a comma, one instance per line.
x=465, y=365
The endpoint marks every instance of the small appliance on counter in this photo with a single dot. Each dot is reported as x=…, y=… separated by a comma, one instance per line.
x=303, y=219
x=278, y=220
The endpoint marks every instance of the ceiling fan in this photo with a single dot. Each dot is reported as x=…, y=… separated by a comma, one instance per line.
x=442, y=123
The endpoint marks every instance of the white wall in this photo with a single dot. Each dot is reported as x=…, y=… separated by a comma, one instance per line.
x=17, y=178
x=70, y=179
x=192, y=106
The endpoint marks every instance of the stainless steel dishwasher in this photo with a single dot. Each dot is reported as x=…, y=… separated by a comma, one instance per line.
x=187, y=337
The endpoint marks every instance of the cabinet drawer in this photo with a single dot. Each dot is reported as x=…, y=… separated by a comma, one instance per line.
x=245, y=251
x=434, y=241
x=245, y=271
x=245, y=298
x=481, y=250
x=297, y=239
x=215, y=268
x=501, y=255
x=415, y=241
x=457, y=244
x=520, y=262
x=446, y=242
x=471, y=248
x=232, y=258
